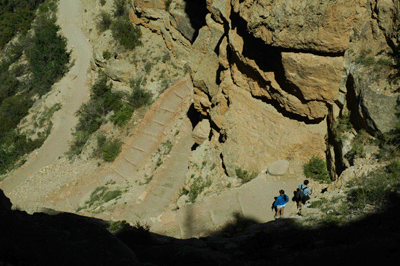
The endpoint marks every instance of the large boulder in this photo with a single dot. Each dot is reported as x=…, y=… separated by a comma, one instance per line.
x=204, y=62
x=258, y=135
x=314, y=77
x=313, y=25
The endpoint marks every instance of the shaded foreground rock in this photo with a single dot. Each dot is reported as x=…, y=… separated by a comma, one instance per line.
x=68, y=239
x=62, y=239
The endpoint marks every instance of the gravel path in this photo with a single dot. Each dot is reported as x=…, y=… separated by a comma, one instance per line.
x=72, y=91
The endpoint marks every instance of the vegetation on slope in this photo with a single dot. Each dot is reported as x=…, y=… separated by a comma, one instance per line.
x=21, y=82
x=105, y=105
x=16, y=16
x=128, y=35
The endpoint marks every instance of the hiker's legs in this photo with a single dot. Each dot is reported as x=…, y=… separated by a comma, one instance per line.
x=299, y=204
x=280, y=211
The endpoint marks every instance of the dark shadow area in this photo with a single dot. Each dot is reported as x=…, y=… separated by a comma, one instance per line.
x=238, y=224
x=335, y=165
x=194, y=147
x=223, y=164
x=61, y=239
x=394, y=78
x=194, y=116
x=355, y=119
x=196, y=11
x=69, y=239
x=268, y=59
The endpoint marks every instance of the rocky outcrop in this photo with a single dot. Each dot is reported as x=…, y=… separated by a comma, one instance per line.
x=309, y=25
x=267, y=74
x=314, y=77
x=61, y=239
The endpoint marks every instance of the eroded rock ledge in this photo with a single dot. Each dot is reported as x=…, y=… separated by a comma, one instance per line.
x=271, y=77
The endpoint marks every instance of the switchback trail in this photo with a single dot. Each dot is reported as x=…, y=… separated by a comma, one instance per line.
x=73, y=90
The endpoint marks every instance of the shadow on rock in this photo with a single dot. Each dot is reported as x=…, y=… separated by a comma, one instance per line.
x=69, y=239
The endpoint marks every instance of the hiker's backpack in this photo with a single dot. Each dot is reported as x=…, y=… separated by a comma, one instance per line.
x=300, y=193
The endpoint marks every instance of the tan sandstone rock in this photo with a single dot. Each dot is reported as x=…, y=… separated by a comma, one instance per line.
x=159, y=4
x=315, y=77
x=201, y=131
x=311, y=24
x=203, y=60
x=257, y=135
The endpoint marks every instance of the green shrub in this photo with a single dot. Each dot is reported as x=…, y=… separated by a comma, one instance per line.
x=111, y=150
x=167, y=4
x=139, y=97
x=183, y=191
x=385, y=62
x=138, y=234
x=342, y=125
x=393, y=169
x=318, y=203
x=147, y=67
x=106, y=54
x=166, y=57
x=110, y=195
x=77, y=144
x=16, y=17
x=104, y=21
x=245, y=175
x=128, y=35
x=48, y=62
x=197, y=187
x=101, y=140
x=102, y=2
x=375, y=188
x=93, y=114
x=316, y=169
x=167, y=146
x=122, y=115
x=96, y=195
x=357, y=146
x=48, y=57
x=119, y=8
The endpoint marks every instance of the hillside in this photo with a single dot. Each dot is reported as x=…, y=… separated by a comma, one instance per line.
x=244, y=93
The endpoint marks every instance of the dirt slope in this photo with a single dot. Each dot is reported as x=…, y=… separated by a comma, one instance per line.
x=71, y=91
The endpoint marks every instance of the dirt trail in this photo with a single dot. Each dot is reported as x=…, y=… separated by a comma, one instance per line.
x=73, y=90
x=143, y=201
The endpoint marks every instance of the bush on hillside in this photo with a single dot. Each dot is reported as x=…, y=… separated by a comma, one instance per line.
x=16, y=17
x=111, y=150
x=104, y=21
x=128, y=35
x=48, y=57
x=245, y=175
x=119, y=8
x=139, y=96
x=122, y=115
x=316, y=169
x=48, y=61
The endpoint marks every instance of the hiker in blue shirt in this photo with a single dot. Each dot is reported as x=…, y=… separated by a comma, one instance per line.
x=280, y=204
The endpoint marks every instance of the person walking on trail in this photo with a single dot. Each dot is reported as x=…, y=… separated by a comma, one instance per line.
x=280, y=204
x=303, y=195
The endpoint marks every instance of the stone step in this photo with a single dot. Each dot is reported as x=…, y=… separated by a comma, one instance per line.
x=146, y=142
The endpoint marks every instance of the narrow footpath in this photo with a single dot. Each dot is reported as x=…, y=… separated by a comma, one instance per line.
x=73, y=90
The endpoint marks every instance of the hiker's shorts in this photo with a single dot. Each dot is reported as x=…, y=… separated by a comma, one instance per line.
x=280, y=206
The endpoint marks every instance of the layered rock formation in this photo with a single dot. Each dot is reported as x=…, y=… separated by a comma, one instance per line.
x=271, y=77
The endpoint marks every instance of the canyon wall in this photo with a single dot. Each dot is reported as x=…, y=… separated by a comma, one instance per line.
x=271, y=77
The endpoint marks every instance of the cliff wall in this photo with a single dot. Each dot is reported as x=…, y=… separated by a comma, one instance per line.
x=272, y=77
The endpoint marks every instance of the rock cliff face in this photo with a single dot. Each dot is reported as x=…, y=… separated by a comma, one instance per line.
x=272, y=77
